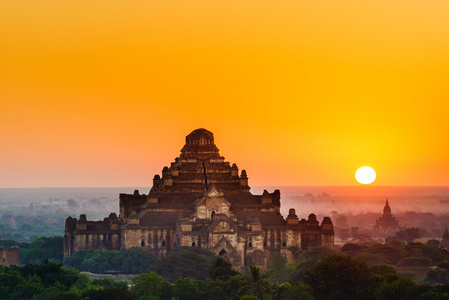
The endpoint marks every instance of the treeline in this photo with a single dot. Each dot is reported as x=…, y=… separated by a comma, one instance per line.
x=51, y=280
x=334, y=276
x=133, y=260
x=318, y=273
x=395, y=252
x=41, y=249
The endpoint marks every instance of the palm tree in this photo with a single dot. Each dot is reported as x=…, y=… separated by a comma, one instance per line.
x=256, y=284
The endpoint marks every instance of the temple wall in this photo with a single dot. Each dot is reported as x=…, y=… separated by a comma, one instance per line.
x=9, y=256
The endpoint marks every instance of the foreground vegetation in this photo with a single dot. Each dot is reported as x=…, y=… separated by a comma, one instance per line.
x=192, y=273
x=41, y=249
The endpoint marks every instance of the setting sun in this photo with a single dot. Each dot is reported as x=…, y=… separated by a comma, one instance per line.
x=365, y=175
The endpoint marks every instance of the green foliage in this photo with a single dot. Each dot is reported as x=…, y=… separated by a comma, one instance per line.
x=211, y=289
x=277, y=268
x=315, y=253
x=136, y=260
x=10, y=278
x=287, y=291
x=29, y=287
x=222, y=270
x=185, y=289
x=110, y=293
x=185, y=262
x=133, y=260
x=150, y=284
x=295, y=250
x=233, y=287
x=397, y=289
x=376, y=253
x=297, y=269
x=46, y=281
x=419, y=249
x=109, y=282
x=255, y=283
x=383, y=269
x=380, y=254
x=351, y=248
x=409, y=234
x=339, y=277
x=437, y=275
x=50, y=274
x=433, y=242
x=444, y=265
x=41, y=249
x=305, y=261
x=415, y=261
x=248, y=297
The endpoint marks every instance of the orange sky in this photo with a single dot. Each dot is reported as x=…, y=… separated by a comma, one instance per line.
x=103, y=93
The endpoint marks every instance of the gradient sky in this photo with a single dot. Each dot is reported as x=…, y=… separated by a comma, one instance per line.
x=103, y=93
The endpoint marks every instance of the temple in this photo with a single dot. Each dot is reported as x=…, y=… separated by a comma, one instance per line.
x=387, y=223
x=201, y=201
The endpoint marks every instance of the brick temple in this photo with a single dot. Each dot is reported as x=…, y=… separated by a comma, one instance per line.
x=201, y=201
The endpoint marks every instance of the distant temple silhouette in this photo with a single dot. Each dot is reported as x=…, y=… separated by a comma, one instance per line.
x=387, y=223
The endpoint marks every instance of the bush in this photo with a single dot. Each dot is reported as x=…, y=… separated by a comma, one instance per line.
x=133, y=260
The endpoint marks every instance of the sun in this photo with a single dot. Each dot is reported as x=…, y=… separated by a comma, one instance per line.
x=365, y=175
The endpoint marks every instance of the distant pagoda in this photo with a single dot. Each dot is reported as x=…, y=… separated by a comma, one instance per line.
x=387, y=223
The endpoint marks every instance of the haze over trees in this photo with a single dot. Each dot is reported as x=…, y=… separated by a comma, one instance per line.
x=192, y=273
x=317, y=273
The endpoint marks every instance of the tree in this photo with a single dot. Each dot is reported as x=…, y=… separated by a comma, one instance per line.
x=110, y=282
x=41, y=249
x=277, y=268
x=211, y=289
x=306, y=260
x=295, y=250
x=409, y=234
x=350, y=248
x=10, y=279
x=248, y=297
x=136, y=260
x=185, y=289
x=343, y=233
x=28, y=288
x=233, y=286
x=110, y=293
x=255, y=283
x=147, y=284
x=397, y=289
x=415, y=261
x=133, y=260
x=222, y=270
x=185, y=262
x=433, y=242
x=419, y=249
x=383, y=269
x=287, y=291
x=437, y=275
x=339, y=277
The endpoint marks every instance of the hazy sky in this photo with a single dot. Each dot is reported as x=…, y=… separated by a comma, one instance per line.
x=103, y=93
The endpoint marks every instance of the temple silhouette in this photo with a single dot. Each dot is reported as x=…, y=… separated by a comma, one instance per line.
x=387, y=223
x=201, y=201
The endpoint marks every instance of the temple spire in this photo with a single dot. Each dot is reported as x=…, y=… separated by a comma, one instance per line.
x=387, y=209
